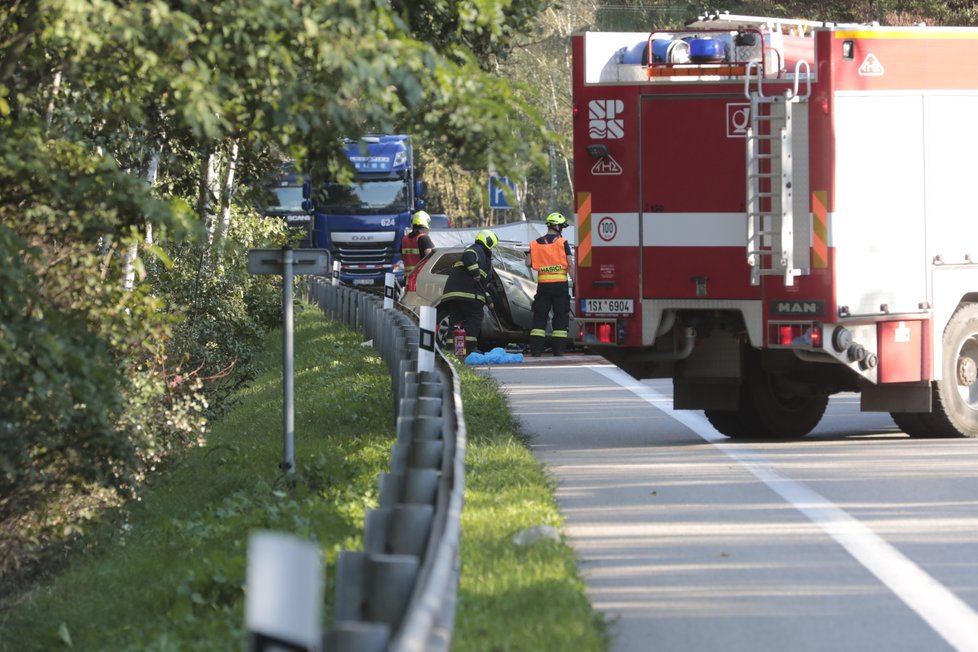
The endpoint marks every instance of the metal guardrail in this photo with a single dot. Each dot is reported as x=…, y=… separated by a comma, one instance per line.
x=398, y=594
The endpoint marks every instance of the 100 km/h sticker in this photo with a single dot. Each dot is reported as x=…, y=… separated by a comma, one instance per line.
x=608, y=306
x=607, y=229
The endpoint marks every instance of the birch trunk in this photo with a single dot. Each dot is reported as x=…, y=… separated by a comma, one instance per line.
x=129, y=268
x=226, y=193
x=209, y=190
x=49, y=113
x=152, y=170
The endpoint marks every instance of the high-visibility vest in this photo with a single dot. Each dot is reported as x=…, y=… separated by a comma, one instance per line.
x=549, y=259
x=410, y=253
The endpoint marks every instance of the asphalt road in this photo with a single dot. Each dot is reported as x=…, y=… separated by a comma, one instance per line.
x=854, y=538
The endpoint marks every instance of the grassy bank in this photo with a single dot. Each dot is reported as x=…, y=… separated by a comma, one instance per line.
x=167, y=573
x=513, y=597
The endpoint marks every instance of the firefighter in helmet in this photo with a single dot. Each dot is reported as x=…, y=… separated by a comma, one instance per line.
x=416, y=244
x=552, y=257
x=467, y=288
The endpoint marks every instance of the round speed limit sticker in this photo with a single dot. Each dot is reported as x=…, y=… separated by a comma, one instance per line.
x=607, y=229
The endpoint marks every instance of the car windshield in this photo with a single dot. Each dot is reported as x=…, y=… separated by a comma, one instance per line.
x=511, y=260
x=504, y=259
x=285, y=199
x=365, y=198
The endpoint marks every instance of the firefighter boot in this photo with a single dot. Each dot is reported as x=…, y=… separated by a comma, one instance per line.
x=559, y=345
x=536, y=346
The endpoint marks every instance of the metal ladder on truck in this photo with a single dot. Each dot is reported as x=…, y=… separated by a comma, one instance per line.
x=770, y=207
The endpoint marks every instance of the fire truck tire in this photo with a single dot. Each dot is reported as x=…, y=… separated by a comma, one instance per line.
x=914, y=424
x=730, y=423
x=766, y=412
x=778, y=413
x=955, y=405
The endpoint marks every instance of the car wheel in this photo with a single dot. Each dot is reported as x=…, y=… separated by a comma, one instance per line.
x=443, y=329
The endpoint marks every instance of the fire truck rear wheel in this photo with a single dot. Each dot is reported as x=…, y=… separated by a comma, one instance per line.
x=955, y=405
x=781, y=414
x=732, y=424
x=768, y=410
x=915, y=425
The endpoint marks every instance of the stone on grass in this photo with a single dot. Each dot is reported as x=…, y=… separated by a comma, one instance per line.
x=538, y=533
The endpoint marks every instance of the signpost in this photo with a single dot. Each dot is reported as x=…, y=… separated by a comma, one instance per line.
x=288, y=262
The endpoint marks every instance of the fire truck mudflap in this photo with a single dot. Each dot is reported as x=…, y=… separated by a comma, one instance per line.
x=773, y=211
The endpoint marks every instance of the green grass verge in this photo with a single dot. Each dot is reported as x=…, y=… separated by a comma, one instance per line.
x=167, y=573
x=513, y=597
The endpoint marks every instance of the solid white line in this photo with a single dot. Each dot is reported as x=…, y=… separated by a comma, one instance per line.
x=947, y=614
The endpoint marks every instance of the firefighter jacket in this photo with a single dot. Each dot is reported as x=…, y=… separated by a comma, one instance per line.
x=550, y=256
x=412, y=246
x=470, y=277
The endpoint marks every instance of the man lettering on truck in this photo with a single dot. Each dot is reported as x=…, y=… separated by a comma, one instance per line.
x=416, y=244
x=553, y=259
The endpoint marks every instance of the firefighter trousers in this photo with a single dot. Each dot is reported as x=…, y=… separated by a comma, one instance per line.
x=550, y=297
x=469, y=313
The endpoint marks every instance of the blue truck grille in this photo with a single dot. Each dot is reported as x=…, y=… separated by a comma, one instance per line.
x=366, y=259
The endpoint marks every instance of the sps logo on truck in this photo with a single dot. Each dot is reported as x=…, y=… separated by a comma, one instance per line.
x=603, y=120
x=796, y=308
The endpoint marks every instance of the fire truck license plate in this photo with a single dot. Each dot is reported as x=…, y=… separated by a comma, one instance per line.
x=608, y=306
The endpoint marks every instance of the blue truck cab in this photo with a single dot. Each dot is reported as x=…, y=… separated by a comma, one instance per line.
x=284, y=199
x=362, y=222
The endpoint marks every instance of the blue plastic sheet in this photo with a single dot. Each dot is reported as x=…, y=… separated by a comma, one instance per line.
x=496, y=356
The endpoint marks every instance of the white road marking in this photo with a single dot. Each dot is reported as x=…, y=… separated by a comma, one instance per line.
x=947, y=614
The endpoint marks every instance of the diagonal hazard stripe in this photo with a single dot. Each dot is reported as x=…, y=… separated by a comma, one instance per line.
x=820, y=229
x=583, y=229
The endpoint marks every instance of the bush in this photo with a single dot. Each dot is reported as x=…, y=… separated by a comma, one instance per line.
x=62, y=393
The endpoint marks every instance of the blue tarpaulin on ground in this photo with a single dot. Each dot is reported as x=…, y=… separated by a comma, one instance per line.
x=496, y=356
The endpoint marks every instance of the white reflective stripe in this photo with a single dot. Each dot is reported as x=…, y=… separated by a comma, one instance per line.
x=614, y=229
x=675, y=230
x=695, y=229
x=669, y=230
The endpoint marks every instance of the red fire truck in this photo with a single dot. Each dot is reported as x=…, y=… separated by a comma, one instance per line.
x=771, y=211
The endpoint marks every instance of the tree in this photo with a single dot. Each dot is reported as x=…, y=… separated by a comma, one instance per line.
x=126, y=127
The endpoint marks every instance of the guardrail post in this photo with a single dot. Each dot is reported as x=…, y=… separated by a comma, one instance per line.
x=414, y=486
x=426, y=339
x=400, y=530
x=420, y=428
x=389, y=291
x=285, y=590
x=399, y=593
x=356, y=636
x=374, y=587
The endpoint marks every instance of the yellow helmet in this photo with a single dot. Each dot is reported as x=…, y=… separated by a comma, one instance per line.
x=422, y=219
x=556, y=220
x=487, y=238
